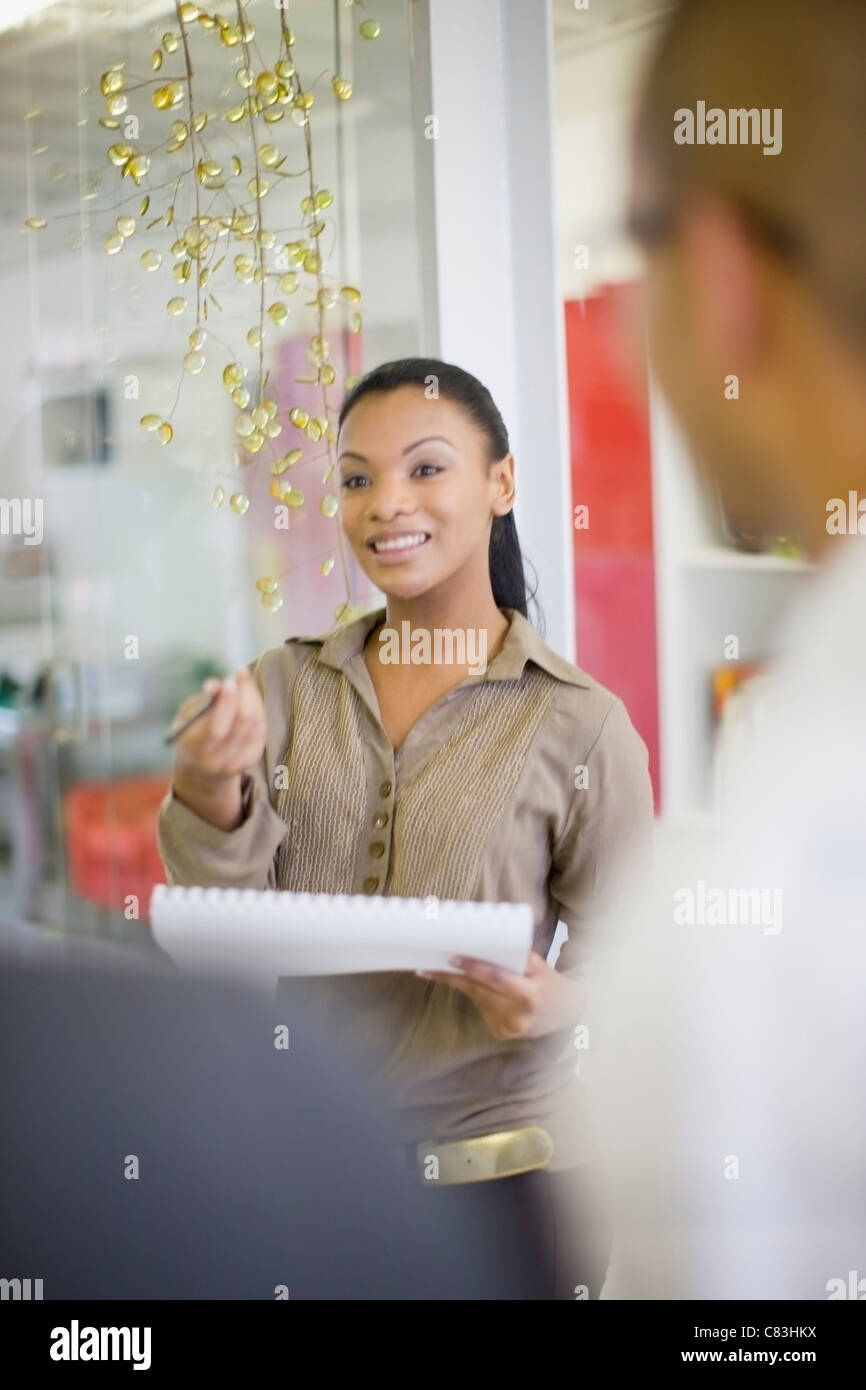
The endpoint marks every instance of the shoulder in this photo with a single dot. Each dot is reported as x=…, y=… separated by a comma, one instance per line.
x=594, y=746
x=276, y=668
x=328, y=649
x=583, y=711
x=590, y=717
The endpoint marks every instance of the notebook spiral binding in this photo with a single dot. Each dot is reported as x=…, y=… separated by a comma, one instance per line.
x=373, y=905
x=285, y=933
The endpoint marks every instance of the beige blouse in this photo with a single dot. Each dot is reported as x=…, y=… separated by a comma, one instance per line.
x=526, y=783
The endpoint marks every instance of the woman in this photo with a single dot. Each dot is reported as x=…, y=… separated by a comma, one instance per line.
x=334, y=764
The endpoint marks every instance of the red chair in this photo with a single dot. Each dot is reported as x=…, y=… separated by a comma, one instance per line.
x=111, y=840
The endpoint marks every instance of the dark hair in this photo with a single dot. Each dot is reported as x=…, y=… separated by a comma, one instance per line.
x=507, y=575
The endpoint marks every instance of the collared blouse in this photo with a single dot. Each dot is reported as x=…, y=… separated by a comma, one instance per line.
x=524, y=783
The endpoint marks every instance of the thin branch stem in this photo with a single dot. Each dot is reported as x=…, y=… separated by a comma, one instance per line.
x=192, y=137
x=261, y=250
x=320, y=285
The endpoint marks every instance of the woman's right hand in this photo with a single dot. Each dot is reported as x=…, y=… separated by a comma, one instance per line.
x=213, y=752
x=228, y=739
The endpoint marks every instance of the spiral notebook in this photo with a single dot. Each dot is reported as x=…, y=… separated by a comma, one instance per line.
x=269, y=934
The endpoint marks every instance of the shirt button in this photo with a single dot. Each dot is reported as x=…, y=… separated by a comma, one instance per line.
x=385, y=789
x=371, y=884
x=380, y=819
x=377, y=849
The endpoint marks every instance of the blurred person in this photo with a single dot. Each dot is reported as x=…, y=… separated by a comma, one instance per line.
x=731, y=1047
x=169, y=1138
x=505, y=774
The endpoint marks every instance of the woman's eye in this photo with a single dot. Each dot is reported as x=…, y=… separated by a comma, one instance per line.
x=433, y=467
x=352, y=480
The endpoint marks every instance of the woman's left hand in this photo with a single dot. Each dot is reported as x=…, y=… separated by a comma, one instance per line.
x=515, y=1006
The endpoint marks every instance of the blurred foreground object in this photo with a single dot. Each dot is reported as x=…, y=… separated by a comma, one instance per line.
x=731, y=1044
x=176, y=1139
x=729, y=1059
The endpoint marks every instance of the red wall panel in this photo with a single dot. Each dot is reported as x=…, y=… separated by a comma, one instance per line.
x=611, y=475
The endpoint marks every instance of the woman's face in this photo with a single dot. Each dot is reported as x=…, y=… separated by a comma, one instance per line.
x=417, y=494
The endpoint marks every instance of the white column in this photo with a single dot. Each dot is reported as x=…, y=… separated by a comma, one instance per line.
x=484, y=71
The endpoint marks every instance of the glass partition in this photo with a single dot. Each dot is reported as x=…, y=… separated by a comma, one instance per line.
x=200, y=208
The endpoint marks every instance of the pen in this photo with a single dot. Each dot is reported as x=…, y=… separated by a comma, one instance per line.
x=175, y=730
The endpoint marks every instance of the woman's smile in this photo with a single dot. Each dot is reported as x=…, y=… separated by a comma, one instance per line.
x=394, y=547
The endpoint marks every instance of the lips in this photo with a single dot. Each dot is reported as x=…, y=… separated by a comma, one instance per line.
x=399, y=543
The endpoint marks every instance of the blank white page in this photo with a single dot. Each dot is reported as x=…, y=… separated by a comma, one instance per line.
x=268, y=934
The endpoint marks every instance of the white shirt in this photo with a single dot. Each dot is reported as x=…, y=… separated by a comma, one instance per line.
x=728, y=1065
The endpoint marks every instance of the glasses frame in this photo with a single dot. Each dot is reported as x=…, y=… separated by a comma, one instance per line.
x=653, y=226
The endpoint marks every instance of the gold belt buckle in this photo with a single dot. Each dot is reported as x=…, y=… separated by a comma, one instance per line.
x=503, y=1154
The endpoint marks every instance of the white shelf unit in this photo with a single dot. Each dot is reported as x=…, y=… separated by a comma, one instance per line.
x=723, y=557
x=705, y=592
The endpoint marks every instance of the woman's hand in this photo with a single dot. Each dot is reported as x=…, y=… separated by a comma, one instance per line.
x=228, y=739
x=210, y=757
x=516, y=1006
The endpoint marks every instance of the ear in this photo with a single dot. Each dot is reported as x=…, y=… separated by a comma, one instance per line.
x=502, y=473
x=724, y=282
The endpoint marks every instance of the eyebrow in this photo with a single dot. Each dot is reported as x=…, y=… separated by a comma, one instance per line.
x=350, y=453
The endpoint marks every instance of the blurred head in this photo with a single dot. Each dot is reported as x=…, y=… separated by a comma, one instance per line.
x=427, y=483
x=756, y=260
